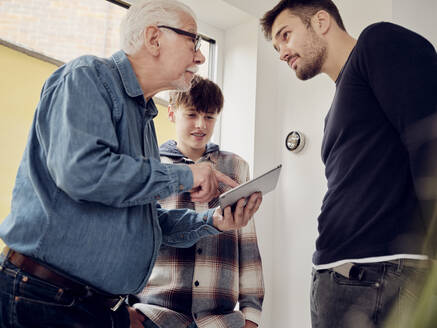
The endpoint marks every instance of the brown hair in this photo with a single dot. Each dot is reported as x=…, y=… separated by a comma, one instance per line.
x=204, y=96
x=304, y=9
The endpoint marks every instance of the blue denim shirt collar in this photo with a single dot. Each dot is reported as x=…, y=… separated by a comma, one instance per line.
x=127, y=74
x=130, y=81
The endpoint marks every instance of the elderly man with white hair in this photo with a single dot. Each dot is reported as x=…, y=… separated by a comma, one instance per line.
x=84, y=228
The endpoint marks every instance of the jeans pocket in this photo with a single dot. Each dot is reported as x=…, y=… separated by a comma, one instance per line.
x=342, y=280
x=33, y=290
x=313, y=292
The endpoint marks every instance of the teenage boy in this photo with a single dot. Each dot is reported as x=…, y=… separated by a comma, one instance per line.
x=379, y=149
x=201, y=285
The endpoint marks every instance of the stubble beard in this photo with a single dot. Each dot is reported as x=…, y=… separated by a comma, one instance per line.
x=316, y=51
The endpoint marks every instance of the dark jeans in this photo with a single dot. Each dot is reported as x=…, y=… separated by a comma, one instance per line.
x=29, y=302
x=383, y=290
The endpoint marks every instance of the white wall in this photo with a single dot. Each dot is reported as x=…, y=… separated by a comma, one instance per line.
x=239, y=89
x=420, y=16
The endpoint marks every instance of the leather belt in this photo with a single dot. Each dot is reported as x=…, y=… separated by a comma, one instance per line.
x=32, y=267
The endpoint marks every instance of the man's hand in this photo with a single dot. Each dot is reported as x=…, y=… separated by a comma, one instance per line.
x=205, y=182
x=241, y=216
x=250, y=324
x=136, y=318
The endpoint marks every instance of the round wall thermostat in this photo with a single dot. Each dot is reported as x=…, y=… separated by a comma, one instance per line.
x=295, y=141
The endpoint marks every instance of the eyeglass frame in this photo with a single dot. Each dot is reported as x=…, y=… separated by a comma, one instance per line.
x=196, y=37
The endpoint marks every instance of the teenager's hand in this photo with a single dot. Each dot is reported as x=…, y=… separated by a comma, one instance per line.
x=250, y=324
x=136, y=318
x=243, y=213
x=205, y=182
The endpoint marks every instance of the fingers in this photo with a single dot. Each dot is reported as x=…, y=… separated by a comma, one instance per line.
x=239, y=213
x=204, y=195
x=225, y=179
x=218, y=219
x=244, y=211
x=205, y=184
x=253, y=204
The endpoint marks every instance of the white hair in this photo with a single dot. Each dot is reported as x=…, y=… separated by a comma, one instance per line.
x=144, y=13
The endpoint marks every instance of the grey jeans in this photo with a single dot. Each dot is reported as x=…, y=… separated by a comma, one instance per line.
x=382, y=292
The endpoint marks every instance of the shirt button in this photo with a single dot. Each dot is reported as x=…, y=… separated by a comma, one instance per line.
x=196, y=283
x=199, y=251
x=181, y=187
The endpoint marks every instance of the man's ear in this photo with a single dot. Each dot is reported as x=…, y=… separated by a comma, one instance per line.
x=171, y=114
x=151, y=39
x=321, y=22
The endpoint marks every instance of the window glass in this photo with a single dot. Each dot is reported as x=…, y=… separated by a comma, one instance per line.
x=62, y=29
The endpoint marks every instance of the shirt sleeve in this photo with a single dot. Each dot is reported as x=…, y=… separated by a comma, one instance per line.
x=183, y=227
x=251, y=276
x=75, y=127
x=401, y=67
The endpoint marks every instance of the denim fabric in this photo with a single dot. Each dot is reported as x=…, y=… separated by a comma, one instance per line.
x=28, y=302
x=339, y=302
x=85, y=195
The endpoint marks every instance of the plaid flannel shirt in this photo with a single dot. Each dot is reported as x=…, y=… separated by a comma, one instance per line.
x=204, y=282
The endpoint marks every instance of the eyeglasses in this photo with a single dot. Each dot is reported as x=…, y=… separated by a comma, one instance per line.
x=196, y=37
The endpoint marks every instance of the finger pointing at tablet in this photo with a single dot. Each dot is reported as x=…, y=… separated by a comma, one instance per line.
x=225, y=179
x=205, y=182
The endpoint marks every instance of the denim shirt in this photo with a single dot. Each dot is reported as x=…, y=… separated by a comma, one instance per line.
x=85, y=195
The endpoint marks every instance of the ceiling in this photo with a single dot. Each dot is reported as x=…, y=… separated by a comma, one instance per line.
x=217, y=13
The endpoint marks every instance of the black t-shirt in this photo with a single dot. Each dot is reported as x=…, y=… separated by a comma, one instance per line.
x=375, y=145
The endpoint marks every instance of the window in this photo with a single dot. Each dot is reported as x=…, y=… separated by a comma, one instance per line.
x=61, y=29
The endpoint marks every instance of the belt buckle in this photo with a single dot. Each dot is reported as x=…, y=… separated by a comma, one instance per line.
x=119, y=303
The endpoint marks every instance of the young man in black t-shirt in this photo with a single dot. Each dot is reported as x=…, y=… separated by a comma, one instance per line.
x=375, y=228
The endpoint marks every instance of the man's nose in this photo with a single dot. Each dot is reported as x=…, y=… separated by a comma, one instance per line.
x=199, y=58
x=283, y=54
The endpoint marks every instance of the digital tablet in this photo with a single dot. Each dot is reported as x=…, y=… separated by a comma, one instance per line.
x=264, y=183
